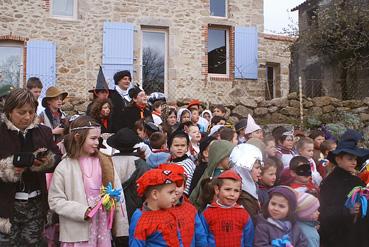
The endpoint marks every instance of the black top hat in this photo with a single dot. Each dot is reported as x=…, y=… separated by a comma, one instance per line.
x=348, y=145
x=241, y=124
x=101, y=83
x=150, y=126
x=124, y=139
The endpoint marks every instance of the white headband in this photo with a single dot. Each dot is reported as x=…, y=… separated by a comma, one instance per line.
x=86, y=127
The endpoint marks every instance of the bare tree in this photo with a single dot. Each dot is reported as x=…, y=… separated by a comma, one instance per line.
x=153, y=70
x=10, y=70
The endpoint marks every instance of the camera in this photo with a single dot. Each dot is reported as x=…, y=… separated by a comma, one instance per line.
x=23, y=159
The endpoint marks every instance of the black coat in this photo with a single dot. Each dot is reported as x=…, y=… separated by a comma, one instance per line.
x=337, y=228
x=11, y=142
x=132, y=114
x=117, y=114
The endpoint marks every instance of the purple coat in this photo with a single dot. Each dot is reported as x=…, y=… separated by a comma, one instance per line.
x=266, y=232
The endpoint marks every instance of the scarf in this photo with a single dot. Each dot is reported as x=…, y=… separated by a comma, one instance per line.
x=123, y=93
x=142, y=108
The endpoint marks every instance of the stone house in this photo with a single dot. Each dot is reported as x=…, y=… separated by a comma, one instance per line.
x=319, y=78
x=214, y=50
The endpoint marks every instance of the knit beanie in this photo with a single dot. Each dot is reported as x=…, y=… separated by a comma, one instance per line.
x=307, y=204
x=288, y=193
x=219, y=150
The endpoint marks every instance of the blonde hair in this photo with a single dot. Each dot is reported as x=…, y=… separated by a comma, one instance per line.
x=74, y=141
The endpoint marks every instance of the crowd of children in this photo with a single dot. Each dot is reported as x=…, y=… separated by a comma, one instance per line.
x=139, y=174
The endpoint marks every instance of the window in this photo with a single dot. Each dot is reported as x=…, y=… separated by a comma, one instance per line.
x=218, y=51
x=64, y=8
x=154, y=53
x=218, y=8
x=11, y=63
x=273, y=86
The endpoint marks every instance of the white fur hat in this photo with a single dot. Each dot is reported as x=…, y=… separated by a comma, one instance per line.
x=251, y=125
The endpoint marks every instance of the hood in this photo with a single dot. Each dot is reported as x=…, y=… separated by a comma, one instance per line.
x=248, y=184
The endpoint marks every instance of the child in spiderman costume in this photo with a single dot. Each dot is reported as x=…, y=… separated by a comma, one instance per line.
x=226, y=222
x=154, y=224
x=189, y=223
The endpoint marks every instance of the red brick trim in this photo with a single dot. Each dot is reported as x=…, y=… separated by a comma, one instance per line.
x=46, y=5
x=18, y=39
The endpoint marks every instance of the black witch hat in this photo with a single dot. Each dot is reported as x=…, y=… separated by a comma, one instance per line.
x=101, y=83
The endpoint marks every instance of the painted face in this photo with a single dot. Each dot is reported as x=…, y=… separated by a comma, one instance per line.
x=36, y=92
x=105, y=110
x=270, y=149
x=178, y=147
x=141, y=98
x=124, y=83
x=259, y=134
x=185, y=117
x=218, y=112
x=195, y=116
x=172, y=119
x=307, y=150
x=348, y=162
x=55, y=103
x=91, y=144
x=229, y=192
x=23, y=116
x=256, y=171
x=317, y=141
x=278, y=207
x=167, y=196
x=102, y=94
x=194, y=134
x=207, y=117
x=288, y=143
x=269, y=176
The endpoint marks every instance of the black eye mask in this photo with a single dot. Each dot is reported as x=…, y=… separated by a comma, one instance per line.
x=303, y=170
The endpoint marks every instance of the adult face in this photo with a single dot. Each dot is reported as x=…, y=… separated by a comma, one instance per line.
x=22, y=116
x=124, y=83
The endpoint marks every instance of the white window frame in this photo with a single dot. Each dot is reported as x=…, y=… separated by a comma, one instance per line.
x=156, y=30
x=21, y=66
x=64, y=17
x=226, y=11
x=226, y=75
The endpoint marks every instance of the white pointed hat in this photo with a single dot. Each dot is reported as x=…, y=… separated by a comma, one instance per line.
x=251, y=125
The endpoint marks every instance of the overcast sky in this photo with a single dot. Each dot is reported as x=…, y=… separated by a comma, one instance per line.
x=277, y=14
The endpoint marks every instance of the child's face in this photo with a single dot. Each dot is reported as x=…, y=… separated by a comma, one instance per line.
x=235, y=139
x=256, y=171
x=269, y=176
x=172, y=119
x=36, y=91
x=166, y=196
x=142, y=134
x=218, y=112
x=194, y=134
x=224, y=163
x=179, y=192
x=315, y=216
x=158, y=109
x=207, y=117
x=105, y=110
x=141, y=98
x=185, y=117
x=91, y=144
x=102, y=95
x=288, y=143
x=259, y=134
x=278, y=207
x=195, y=116
x=229, y=192
x=56, y=102
x=270, y=149
x=347, y=162
x=307, y=150
x=317, y=141
x=178, y=147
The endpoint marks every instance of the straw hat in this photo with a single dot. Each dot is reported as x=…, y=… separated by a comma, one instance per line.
x=53, y=92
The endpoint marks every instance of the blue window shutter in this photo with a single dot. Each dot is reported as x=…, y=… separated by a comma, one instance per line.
x=117, y=49
x=246, y=52
x=41, y=62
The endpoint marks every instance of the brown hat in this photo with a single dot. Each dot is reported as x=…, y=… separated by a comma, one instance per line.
x=53, y=92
